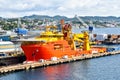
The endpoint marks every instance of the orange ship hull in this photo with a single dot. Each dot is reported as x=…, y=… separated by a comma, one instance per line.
x=59, y=49
x=35, y=52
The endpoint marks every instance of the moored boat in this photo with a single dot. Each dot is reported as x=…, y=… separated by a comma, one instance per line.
x=52, y=44
x=10, y=54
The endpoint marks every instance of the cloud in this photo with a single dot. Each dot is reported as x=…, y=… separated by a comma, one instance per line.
x=16, y=8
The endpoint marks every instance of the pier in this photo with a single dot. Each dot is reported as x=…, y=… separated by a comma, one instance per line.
x=27, y=66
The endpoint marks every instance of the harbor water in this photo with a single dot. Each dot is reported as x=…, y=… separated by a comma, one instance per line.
x=103, y=68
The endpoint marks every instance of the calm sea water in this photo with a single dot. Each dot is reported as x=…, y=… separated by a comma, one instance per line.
x=104, y=68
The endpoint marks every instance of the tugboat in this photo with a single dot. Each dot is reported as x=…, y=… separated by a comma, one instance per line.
x=52, y=44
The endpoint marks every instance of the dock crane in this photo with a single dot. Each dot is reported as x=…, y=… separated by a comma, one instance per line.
x=84, y=24
x=19, y=30
x=87, y=40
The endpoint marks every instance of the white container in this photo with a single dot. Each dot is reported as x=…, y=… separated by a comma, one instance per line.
x=65, y=57
x=53, y=58
x=101, y=37
x=94, y=52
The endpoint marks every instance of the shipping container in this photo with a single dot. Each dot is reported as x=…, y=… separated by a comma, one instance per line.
x=5, y=38
x=101, y=37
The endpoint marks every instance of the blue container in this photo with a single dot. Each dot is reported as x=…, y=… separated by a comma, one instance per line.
x=3, y=54
x=5, y=38
x=110, y=49
x=21, y=31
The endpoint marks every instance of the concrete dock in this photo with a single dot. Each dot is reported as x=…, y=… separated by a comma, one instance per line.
x=27, y=66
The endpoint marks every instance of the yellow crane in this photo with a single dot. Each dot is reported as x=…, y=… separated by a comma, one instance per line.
x=78, y=37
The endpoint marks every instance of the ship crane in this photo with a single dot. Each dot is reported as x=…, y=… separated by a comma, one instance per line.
x=72, y=38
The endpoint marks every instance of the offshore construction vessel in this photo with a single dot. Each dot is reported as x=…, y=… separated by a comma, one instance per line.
x=53, y=45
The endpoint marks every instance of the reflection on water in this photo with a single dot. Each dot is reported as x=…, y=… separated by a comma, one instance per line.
x=69, y=71
x=104, y=68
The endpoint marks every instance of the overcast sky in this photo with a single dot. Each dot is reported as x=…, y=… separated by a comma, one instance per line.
x=19, y=8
